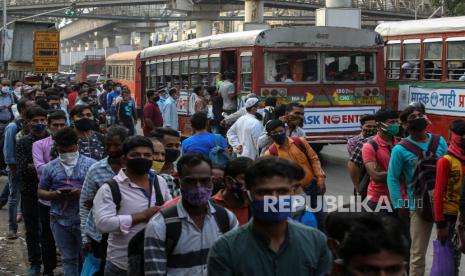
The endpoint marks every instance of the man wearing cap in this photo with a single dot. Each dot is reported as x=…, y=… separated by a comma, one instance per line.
x=244, y=133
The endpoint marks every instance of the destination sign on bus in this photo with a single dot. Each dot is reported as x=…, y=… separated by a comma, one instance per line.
x=335, y=119
x=46, y=51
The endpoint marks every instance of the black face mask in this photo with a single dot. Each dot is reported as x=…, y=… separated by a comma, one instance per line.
x=84, y=124
x=139, y=166
x=171, y=155
x=417, y=125
x=155, y=99
x=237, y=191
x=85, y=99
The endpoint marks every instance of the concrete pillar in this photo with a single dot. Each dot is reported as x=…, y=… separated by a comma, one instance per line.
x=98, y=43
x=253, y=11
x=144, y=40
x=90, y=45
x=109, y=42
x=203, y=28
x=123, y=39
x=82, y=46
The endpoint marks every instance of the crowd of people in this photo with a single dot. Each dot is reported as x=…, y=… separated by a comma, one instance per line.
x=111, y=200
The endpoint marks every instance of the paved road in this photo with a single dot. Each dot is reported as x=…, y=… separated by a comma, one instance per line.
x=13, y=257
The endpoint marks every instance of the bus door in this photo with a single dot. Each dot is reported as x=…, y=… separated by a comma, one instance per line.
x=228, y=61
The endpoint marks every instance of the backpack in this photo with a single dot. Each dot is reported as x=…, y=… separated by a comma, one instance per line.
x=174, y=228
x=365, y=177
x=19, y=127
x=424, y=176
x=217, y=154
x=136, y=244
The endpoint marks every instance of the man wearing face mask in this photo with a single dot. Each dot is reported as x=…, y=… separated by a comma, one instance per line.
x=61, y=184
x=368, y=124
x=142, y=193
x=170, y=112
x=234, y=196
x=54, y=103
x=101, y=171
x=17, y=88
x=270, y=244
x=111, y=106
x=200, y=223
x=244, y=133
x=297, y=150
x=37, y=118
x=403, y=163
x=152, y=114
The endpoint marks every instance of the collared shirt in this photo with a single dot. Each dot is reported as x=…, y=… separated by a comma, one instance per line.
x=191, y=241
x=353, y=142
x=54, y=178
x=241, y=213
x=307, y=160
x=98, y=174
x=357, y=157
x=26, y=173
x=41, y=153
x=245, y=132
x=170, y=114
x=134, y=200
x=247, y=252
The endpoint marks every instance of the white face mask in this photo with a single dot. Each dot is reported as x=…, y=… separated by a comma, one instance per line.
x=69, y=158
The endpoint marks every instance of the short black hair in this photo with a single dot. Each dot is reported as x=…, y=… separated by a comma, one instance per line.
x=53, y=97
x=366, y=117
x=199, y=121
x=406, y=113
x=13, y=83
x=338, y=223
x=297, y=171
x=190, y=160
x=36, y=111
x=375, y=234
x=267, y=167
x=383, y=115
x=161, y=132
x=197, y=90
x=291, y=106
x=237, y=166
x=458, y=127
x=150, y=93
x=56, y=115
x=271, y=101
x=66, y=137
x=136, y=141
x=211, y=90
x=77, y=109
x=22, y=104
x=116, y=130
x=42, y=102
x=172, y=91
x=280, y=110
x=273, y=124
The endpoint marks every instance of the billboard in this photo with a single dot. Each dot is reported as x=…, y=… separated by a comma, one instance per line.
x=46, y=51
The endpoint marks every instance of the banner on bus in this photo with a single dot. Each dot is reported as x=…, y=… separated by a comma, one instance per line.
x=441, y=101
x=335, y=119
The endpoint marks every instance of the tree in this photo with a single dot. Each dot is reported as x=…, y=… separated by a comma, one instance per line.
x=451, y=7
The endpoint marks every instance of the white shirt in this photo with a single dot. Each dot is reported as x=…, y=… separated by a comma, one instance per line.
x=246, y=132
x=118, y=224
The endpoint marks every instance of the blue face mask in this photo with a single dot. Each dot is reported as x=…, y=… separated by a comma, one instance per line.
x=280, y=212
x=279, y=138
x=38, y=127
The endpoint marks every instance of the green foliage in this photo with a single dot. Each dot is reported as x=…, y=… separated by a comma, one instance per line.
x=451, y=7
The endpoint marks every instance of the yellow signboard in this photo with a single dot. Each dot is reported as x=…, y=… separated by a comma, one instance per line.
x=46, y=51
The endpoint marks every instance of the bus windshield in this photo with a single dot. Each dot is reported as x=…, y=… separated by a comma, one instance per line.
x=348, y=67
x=291, y=67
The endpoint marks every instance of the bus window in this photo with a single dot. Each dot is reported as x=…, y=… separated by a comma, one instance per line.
x=456, y=59
x=194, y=72
x=175, y=73
x=159, y=76
x=148, y=81
x=203, y=68
x=411, y=63
x=153, y=75
x=393, y=60
x=167, y=65
x=349, y=67
x=246, y=72
x=214, y=68
x=432, y=64
x=291, y=67
x=185, y=74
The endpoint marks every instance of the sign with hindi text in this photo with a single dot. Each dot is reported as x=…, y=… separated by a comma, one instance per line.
x=441, y=101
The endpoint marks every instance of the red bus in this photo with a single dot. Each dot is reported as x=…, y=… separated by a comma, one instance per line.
x=89, y=65
x=336, y=73
x=425, y=62
x=125, y=69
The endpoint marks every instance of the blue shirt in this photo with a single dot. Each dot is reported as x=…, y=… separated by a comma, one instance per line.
x=54, y=178
x=161, y=103
x=111, y=97
x=170, y=114
x=203, y=143
x=9, y=146
x=403, y=162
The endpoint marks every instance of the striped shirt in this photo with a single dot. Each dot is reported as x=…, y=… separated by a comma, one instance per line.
x=192, y=241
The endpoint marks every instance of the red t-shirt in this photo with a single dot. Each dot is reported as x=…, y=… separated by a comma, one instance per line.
x=152, y=112
x=72, y=99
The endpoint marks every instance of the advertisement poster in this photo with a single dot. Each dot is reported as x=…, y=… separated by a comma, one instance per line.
x=441, y=101
x=335, y=119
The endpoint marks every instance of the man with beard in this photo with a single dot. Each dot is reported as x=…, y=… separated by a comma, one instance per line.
x=98, y=174
x=270, y=244
x=233, y=196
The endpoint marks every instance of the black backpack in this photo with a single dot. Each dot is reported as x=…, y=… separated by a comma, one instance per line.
x=365, y=177
x=136, y=244
x=424, y=176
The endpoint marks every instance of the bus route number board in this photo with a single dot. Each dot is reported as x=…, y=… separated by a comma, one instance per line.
x=46, y=51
